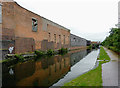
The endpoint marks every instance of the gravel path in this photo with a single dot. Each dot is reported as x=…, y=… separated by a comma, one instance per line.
x=110, y=70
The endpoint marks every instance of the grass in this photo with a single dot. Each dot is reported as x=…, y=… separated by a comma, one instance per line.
x=93, y=77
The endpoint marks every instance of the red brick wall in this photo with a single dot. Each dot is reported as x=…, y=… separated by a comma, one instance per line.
x=24, y=45
x=8, y=24
x=17, y=22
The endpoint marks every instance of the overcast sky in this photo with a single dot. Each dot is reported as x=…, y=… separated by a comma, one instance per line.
x=90, y=19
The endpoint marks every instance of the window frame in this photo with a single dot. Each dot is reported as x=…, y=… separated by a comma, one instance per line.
x=0, y=13
x=55, y=38
x=34, y=27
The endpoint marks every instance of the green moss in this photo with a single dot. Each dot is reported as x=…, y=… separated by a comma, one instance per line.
x=93, y=77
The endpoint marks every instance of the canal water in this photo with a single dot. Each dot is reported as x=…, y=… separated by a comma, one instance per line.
x=52, y=71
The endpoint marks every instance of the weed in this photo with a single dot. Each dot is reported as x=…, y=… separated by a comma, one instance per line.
x=50, y=52
x=63, y=50
x=19, y=57
x=39, y=53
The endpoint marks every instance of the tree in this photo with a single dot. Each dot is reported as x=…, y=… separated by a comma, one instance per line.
x=112, y=41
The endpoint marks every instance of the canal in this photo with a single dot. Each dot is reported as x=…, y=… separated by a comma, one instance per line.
x=52, y=71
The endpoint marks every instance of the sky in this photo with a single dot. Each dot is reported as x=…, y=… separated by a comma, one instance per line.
x=89, y=19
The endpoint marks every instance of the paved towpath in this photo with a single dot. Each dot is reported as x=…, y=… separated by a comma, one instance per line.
x=110, y=70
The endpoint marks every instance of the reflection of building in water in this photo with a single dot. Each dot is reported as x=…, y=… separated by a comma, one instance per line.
x=44, y=72
x=76, y=57
x=21, y=71
x=88, y=51
x=43, y=76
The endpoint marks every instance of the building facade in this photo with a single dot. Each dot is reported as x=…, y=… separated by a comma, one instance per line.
x=76, y=41
x=25, y=31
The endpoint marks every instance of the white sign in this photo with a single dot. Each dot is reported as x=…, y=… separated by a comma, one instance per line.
x=11, y=49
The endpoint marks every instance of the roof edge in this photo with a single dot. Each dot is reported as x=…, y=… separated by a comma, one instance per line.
x=42, y=16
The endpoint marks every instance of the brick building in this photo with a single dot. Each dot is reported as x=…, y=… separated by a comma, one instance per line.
x=26, y=31
x=76, y=41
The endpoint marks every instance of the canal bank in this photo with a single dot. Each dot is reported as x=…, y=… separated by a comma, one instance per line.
x=83, y=66
x=94, y=76
x=42, y=72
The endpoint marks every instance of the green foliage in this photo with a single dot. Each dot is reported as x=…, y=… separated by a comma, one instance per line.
x=50, y=52
x=19, y=57
x=62, y=50
x=112, y=41
x=114, y=49
x=39, y=53
x=90, y=47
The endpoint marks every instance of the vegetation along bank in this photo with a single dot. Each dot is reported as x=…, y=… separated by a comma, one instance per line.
x=113, y=40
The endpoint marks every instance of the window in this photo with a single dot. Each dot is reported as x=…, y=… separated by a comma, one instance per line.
x=34, y=24
x=0, y=13
x=55, y=38
x=74, y=39
x=64, y=39
x=49, y=37
x=59, y=38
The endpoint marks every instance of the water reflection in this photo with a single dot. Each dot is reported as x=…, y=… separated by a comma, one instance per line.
x=84, y=65
x=43, y=72
x=76, y=57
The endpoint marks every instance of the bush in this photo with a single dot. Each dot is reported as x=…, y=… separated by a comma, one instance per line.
x=112, y=41
x=63, y=50
x=114, y=48
x=39, y=53
x=90, y=47
x=50, y=52
x=19, y=57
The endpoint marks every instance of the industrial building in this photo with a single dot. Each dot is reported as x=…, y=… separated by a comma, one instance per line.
x=25, y=31
x=76, y=41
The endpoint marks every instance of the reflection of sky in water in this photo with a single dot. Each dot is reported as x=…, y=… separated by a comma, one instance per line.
x=79, y=68
x=48, y=70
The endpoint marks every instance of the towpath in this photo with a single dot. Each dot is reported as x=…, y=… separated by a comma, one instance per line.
x=110, y=69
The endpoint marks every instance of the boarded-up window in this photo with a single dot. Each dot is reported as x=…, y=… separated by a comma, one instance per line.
x=74, y=39
x=64, y=39
x=34, y=25
x=0, y=13
x=49, y=39
x=59, y=38
x=55, y=38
